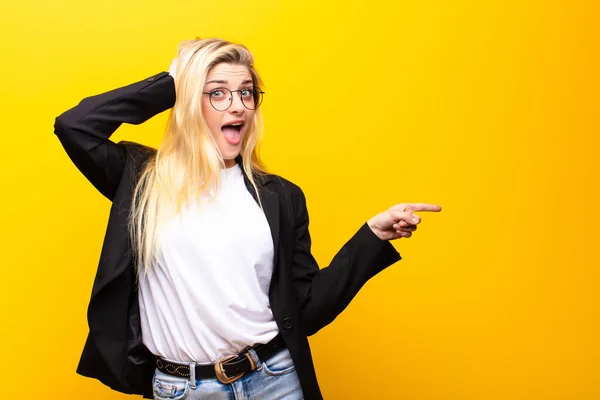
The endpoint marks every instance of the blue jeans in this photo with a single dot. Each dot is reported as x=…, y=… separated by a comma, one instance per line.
x=273, y=379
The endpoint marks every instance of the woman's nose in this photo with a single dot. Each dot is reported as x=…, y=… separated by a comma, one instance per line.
x=236, y=103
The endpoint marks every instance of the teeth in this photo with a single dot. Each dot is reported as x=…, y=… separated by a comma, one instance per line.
x=238, y=124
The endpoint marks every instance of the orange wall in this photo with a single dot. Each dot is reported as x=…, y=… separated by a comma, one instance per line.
x=488, y=108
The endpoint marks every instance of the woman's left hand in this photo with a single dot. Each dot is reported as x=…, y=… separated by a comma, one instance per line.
x=399, y=221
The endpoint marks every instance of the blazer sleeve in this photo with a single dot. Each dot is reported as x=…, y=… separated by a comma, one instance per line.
x=85, y=129
x=324, y=293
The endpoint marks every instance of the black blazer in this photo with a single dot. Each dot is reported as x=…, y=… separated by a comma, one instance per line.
x=303, y=298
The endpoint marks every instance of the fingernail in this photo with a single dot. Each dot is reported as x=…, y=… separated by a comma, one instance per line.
x=415, y=218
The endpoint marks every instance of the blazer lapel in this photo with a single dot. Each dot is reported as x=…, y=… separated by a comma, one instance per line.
x=270, y=203
x=271, y=207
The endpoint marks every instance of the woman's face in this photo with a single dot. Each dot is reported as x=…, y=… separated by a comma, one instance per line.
x=228, y=127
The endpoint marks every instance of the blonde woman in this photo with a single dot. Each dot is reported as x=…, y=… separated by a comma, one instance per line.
x=206, y=286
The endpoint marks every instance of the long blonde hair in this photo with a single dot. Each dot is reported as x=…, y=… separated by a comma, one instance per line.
x=188, y=161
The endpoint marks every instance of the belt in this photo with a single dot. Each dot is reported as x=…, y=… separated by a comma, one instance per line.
x=227, y=369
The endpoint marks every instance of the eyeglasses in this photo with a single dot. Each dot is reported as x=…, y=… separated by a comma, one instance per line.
x=222, y=98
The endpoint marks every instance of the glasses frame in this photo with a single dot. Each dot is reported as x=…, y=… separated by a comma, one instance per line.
x=256, y=90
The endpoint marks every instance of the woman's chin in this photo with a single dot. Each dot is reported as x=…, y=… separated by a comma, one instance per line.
x=229, y=156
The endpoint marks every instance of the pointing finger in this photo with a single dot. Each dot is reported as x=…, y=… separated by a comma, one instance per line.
x=412, y=207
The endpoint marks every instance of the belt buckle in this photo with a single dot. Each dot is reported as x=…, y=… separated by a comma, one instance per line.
x=220, y=371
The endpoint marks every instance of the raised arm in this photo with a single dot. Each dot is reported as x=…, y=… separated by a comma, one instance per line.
x=85, y=130
x=325, y=293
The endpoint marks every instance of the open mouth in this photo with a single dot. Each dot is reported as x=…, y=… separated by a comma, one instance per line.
x=233, y=132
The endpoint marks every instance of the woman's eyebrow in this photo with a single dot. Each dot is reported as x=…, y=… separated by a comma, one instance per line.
x=247, y=81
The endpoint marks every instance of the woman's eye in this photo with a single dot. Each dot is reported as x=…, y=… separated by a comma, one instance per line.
x=216, y=94
x=247, y=93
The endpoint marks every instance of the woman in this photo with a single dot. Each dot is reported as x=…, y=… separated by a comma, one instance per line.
x=206, y=285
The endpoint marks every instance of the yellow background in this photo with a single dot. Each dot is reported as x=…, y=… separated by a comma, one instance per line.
x=488, y=108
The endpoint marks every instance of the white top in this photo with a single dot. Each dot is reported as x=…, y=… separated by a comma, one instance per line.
x=207, y=296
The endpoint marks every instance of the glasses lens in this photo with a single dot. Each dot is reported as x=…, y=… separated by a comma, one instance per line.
x=252, y=98
x=220, y=99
